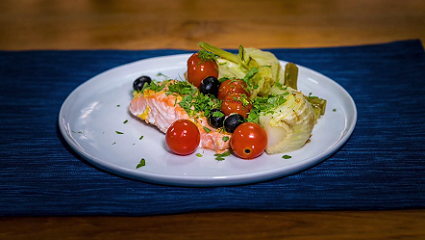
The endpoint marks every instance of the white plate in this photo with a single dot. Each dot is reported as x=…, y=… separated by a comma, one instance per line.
x=93, y=112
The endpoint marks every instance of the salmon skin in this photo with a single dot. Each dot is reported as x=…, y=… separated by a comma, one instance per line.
x=161, y=108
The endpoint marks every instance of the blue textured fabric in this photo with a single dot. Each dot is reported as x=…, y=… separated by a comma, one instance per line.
x=382, y=166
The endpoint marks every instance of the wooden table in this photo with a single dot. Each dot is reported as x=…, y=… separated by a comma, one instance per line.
x=181, y=24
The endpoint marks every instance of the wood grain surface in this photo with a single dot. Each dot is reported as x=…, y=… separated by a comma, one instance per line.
x=181, y=24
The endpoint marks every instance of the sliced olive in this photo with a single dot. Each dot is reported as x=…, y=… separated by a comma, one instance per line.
x=140, y=82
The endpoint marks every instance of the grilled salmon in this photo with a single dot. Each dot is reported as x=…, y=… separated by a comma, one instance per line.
x=161, y=108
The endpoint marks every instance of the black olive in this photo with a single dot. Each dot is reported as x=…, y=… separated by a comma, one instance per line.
x=232, y=122
x=216, y=120
x=209, y=85
x=140, y=82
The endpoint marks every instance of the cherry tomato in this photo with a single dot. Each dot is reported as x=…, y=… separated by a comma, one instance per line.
x=183, y=137
x=199, y=66
x=236, y=103
x=232, y=86
x=249, y=140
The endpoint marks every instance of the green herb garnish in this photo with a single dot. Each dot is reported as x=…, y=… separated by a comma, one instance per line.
x=126, y=121
x=221, y=156
x=199, y=155
x=192, y=101
x=218, y=114
x=118, y=132
x=161, y=75
x=181, y=88
x=286, y=156
x=225, y=138
x=265, y=105
x=142, y=163
x=207, y=129
x=141, y=137
x=206, y=56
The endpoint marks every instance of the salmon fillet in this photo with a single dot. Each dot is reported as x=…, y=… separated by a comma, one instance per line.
x=161, y=110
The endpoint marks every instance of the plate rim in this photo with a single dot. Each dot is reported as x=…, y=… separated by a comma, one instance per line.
x=200, y=181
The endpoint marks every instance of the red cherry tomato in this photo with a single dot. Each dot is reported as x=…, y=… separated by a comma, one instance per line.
x=249, y=140
x=236, y=103
x=199, y=66
x=232, y=86
x=183, y=137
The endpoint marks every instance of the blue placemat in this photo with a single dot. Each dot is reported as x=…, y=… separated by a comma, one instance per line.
x=382, y=166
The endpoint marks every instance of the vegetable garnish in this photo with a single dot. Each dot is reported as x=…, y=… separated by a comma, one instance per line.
x=118, y=105
x=118, y=132
x=225, y=138
x=192, y=101
x=126, y=121
x=206, y=56
x=142, y=163
x=221, y=156
x=199, y=155
x=207, y=129
x=153, y=85
x=114, y=143
x=162, y=75
x=181, y=88
x=265, y=105
x=141, y=137
x=286, y=156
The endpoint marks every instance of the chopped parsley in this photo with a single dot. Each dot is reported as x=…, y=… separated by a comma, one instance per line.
x=286, y=156
x=154, y=86
x=118, y=105
x=161, y=75
x=281, y=86
x=114, y=143
x=141, y=137
x=250, y=74
x=181, y=88
x=126, y=121
x=192, y=101
x=265, y=105
x=142, y=163
x=207, y=129
x=221, y=156
x=118, y=132
x=218, y=114
x=225, y=138
x=206, y=56
x=334, y=110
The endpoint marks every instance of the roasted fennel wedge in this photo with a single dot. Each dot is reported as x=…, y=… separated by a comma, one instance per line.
x=288, y=125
